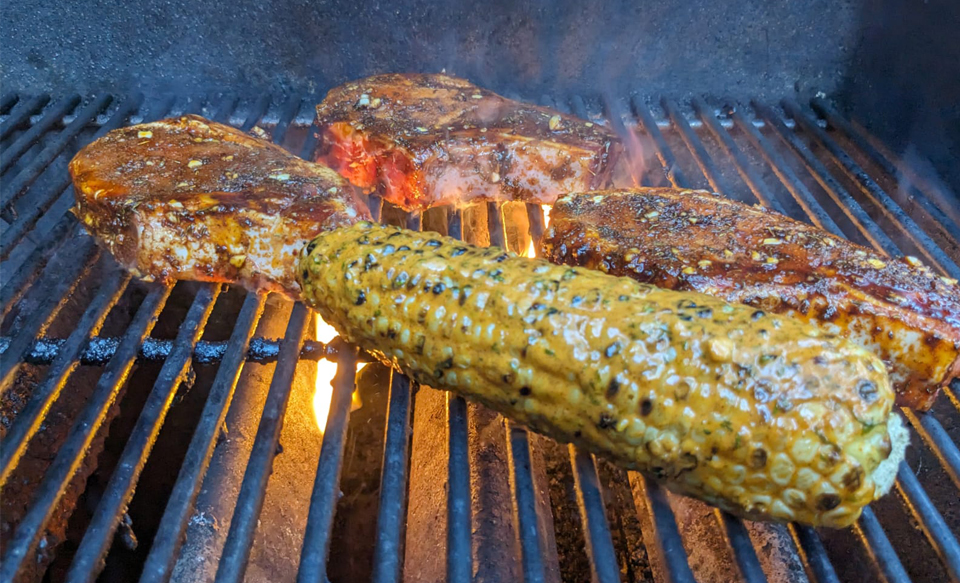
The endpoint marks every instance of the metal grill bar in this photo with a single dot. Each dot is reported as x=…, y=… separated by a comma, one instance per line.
x=814, y=555
x=394, y=479
x=603, y=559
x=253, y=489
x=938, y=214
x=739, y=540
x=938, y=533
x=909, y=227
x=29, y=269
x=867, y=226
x=28, y=217
x=61, y=277
x=65, y=465
x=99, y=350
x=879, y=547
x=19, y=183
x=665, y=540
x=162, y=557
x=14, y=151
x=41, y=203
x=525, y=503
x=459, y=553
x=817, y=214
x=936, y=438
x=87, y=562
x=21, y=115
x=323, y=500
x=28, y=421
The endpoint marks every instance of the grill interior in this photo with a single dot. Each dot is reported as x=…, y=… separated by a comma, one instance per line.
x=121, y=399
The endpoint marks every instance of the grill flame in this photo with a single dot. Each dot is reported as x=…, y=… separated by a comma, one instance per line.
x=323, y=393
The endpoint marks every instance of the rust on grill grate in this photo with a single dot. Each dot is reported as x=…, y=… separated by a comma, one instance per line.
x=99, y=372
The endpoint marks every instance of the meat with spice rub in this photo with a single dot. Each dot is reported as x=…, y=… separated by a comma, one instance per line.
x=427, y=140
x=188, y=198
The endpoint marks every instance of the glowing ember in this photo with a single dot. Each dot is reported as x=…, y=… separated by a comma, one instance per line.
x=326, y=370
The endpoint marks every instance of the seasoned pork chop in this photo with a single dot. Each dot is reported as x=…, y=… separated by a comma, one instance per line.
x=187, y=198
x=692, y=240
x=426, y=140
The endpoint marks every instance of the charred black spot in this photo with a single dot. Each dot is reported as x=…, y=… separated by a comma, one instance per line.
x=577, y=434
x=524, y=391
x=646, y=406
x=867, y=390
x=705, y=313
x=613, y=388
x=508, y=378
x=685, y=317
x=361, y=298
x=438, y=289
x=311, y=246
x=819, y=360
x=446, y=364
x=828, y=502
x=758, y=458
x=606, y=421
x=612, y=350
x=421, y=340
x=464, y=294
x=305, y=274
x=686, y=304
x=853, y=479
x=501, y=258
x=757, y=315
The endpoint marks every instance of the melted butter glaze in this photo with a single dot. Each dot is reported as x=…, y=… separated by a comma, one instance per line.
x=763, y=415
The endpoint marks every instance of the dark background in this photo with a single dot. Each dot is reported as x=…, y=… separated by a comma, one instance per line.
x=893, y=65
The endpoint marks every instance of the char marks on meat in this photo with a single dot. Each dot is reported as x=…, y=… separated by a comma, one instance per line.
x=427, y=140
x=692, y=240
x=187, y=198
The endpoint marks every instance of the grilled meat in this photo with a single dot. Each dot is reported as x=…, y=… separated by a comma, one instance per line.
x=765, y=416
x=427, y=140
x=188, y=198
x=692, y=240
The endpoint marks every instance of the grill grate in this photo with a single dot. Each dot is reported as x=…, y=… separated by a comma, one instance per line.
x=810, y=164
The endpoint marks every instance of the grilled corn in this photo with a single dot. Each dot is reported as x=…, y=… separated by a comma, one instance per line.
x=761, y=415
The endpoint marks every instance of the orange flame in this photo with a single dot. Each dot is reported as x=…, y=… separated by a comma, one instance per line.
x=531, y=250
x=326, y=370
x=633, y=156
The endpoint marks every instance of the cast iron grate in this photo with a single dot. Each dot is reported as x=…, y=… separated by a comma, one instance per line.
x=808, y=163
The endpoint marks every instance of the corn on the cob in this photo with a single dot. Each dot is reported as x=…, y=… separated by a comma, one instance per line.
x=761, y=415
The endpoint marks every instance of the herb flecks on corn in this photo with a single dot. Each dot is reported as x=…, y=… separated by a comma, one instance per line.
x=761, y=415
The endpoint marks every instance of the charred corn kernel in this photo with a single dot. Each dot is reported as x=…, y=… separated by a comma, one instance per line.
x=775, y=422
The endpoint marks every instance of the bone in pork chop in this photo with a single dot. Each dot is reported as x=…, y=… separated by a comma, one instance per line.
x=691, y=240
x=427, y=140
x=187, y=198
